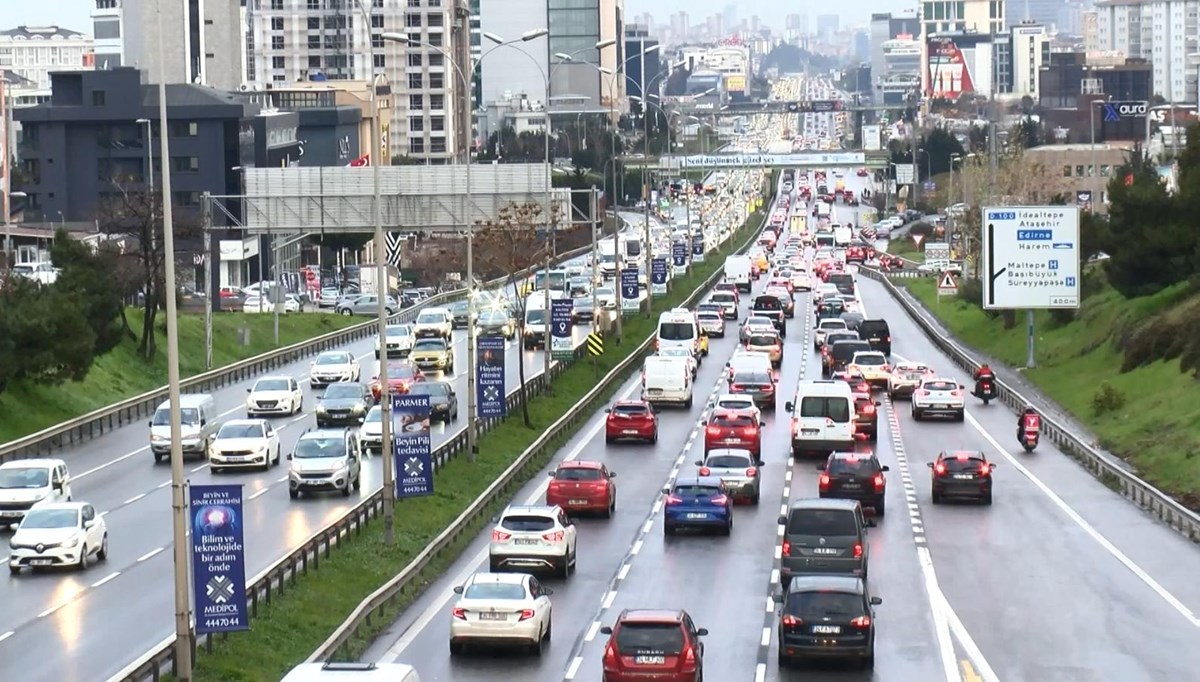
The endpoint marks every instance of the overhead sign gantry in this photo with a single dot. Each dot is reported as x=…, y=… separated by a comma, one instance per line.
x=733, y=161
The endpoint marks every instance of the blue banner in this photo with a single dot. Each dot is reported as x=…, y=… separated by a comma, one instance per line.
x=698, y=248
x=658, y=277
x=561, y=326
x=489, y=376
x=218, y=558
x=414, y=449
x=679, y=254
x=629, y=290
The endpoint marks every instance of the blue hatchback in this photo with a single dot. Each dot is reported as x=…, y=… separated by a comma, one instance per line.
x=697, y=502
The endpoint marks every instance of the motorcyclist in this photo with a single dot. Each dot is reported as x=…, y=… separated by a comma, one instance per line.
x=984, y=372
x=1029, y=419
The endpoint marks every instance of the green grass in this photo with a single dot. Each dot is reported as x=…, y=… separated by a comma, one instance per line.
x=905, y=248
x=295, y=623
x=29, y=407
x=1157, y=429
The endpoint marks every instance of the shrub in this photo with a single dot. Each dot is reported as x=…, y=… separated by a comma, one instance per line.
x=1107, y=399
x=1060, y=317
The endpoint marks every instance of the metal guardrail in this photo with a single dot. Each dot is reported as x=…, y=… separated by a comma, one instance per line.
x=137, y=408
x=1104, y=466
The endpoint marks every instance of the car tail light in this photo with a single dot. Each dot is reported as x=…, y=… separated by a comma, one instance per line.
x=500, y=536
x=887, y=368
x=751, y=472
x=868, y=409
x=939, y=469
x=786, y=550
x=791, y=622
x=719, y=500
x=674, y=499
x=878, y=482
x=459, y=613
x=861, y=622
x=823, y=481
x=889, y=339
x=556, y=536
x=750, y=431
x=526, y=614
x=705, y=471
x=858, y=550
x=985, y=470
x=957, y=393
x=714, y=431
x=924, y=394
x=610, y=655
x=689, y=657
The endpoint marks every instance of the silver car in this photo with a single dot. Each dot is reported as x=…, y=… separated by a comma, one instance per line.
x=938, y=397
x=737, y=469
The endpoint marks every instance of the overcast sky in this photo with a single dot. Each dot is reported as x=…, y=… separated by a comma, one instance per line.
x=72, y=14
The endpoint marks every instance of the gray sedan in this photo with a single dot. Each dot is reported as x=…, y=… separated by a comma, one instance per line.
x=737, y=469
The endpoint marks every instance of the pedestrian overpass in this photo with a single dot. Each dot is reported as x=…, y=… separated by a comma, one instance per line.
x=741, y=161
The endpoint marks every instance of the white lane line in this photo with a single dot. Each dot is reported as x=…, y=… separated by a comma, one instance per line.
x=202, y=466
x=281, y=479
x=6, y=635
x=609, y=598
x=106, y=578
x=637, y=547
x=760, y=672
x=573, y=669
x=766, y=637
x=150, y=554
x=592, y=631
x=133, y=499
x=624, y=572
x=649, y=524
x=770, y=605
x=260, y=493
x=162, y=485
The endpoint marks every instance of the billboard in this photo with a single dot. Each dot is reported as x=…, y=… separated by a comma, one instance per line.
x=949, y=71
x=1030, y=257
x=735, y=83
x=872, y=138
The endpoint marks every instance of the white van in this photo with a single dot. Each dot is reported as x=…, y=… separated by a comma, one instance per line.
x=677, y=328
x=738, y=271
x=352, y=672
x=667, y=380
x=199, y=425
x=822, y=417
x=29, y=483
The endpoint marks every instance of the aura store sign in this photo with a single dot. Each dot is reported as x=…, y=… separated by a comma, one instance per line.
x=281, y=137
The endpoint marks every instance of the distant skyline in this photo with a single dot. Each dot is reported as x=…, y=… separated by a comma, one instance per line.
x=73, y=14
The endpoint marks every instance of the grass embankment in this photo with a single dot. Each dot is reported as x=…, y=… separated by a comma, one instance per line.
x=29, y=407
x=296, y=622
x=904, y=247
x=1149, y=415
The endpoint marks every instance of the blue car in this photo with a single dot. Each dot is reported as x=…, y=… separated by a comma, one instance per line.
x=697, y=502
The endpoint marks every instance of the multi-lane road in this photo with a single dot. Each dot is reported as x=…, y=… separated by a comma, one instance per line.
x=1060, y=579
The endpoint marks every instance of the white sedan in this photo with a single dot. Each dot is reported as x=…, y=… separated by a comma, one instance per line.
x=244, y=443
x=501, y=609
x=333, y=367
x=274, y=395
x=57, y=535
x=680, y=352
x=938, y=397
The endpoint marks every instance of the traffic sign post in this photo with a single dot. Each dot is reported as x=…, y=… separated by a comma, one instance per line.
x=937, y=256
x=698, y=248
x=630, y=301
x=679, y=258
x=595, y=345
x=947, y=286
x=561, y=327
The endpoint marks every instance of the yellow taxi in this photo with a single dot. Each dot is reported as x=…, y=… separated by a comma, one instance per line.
x=761, y=262
x=768, y=343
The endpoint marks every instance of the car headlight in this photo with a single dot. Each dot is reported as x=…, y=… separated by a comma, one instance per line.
x=68, y=544
x=320, y=408
x=250, y=401
x=156, y=438
x=359, y=407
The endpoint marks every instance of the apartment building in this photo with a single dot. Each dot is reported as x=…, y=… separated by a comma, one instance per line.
x=1163, y=32
x=33, y=52
x=201, y=40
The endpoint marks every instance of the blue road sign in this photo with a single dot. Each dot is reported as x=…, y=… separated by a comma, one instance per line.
x=679, y=254
x=1053, y=264
x=414, y=447
x=629, y=283
x=489, y=380
x=218, y=558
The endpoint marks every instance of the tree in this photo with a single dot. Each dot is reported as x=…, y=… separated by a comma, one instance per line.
x=134, y=215
x=511, y=243
x=44, y=336
x=90, y=275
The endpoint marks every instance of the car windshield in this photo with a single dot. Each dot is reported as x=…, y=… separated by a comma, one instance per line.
x=401, y=370
x=869, y=359
x=492, y=317
x=824, y=522
x=709, y=316
x=828, y=325
x=732, y=421
x=537, y=316
x=822, y=603
x=939, y=386
x=697, y=490
x=24, y=477
x=577, y=474
x=637, y=410
x=429, y=344
x=375, y=414
x=722, y=297
x=317, y=448
x=763, y=340
x=969, y=463
x=735, y=403
x=752, y=377
x=495, y=591
x=397, y=330
x=759, y=322
x=837, y=409
x=271, y=385
x=333, y=359
x=235, y=430
x=430, y=388
x=342, y=391
x=851, y=465
x=728, y=461
x=188, y=415
x=527, y=522
x=767, y=303
x=676, y=352
x=676, y=331
x=51, y=518
x=430, y=318
x=601, y=292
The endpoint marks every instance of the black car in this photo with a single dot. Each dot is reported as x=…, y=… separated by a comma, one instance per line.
x=760, y=386
x=878, y=334
x=842, y=352
x=344, y=404
x=830, y=307
x=827, y=616
x=459, y=314
x=494, y=322
x=443, y=401
x=852, y=320
x=843, y=281
x=582, y=310
x=963, y=474
x=854, y=476
x=770, y=307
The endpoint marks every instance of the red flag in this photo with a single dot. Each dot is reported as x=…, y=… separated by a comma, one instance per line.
x=1129, y=179
x=364, y=160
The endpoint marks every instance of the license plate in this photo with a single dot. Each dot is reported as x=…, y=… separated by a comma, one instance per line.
x=576, y=503
x=314, y=482
x=493, y=616
x=40, y=562
x=10, y=515
x=850, y=486
x=964, y=477
x=826, y=629
x=630, y=432
x=697, y=516
x=650, y=660
x=732, y=440
x=825, y=551
x=527, y=541
x=655, y=391
x=942, y=407
x=810, y=432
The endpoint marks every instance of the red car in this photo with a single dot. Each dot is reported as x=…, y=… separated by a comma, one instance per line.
x=655, y=645
x=733, y=429
x=583, y=486
x=862, y=172
x=866, y=415
x=402, y=374
x=856, y=254
x=632, y=420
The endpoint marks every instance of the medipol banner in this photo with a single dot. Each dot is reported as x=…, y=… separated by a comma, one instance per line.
x=679, y=254
x=698, y=248
x=629, y=290
x=561, y=326
x=658, y=277
x=489, y=376
x=218, y=558
x=414, y=448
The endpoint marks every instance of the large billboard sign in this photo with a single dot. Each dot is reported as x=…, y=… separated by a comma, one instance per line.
x=735, y=83
x=1030, y=257
x=949, y=74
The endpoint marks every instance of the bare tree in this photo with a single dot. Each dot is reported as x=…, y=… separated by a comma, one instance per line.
x=510, y=244
x=133, y=216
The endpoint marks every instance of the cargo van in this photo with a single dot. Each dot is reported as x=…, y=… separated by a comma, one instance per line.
x=352, y=672
x=678, y=329
x=738, y=271
x=667, y=380
x=822, y=417
x=199, y=425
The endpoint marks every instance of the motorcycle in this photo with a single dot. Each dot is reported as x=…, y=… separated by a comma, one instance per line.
x=1029, y=438
x=985, y=390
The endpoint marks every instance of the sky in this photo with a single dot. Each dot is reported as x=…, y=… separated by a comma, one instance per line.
x=72, y=14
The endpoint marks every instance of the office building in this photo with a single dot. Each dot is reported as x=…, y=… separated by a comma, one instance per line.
x=1050, y=13
x=895, y=56
x=519, y=70
x=1163, y=32
x=33, y=52
x=827, y=26
x=795, y=28
x=1030, y=50
x=1067, y=77
x=576, y=26
x=202, y=40
x=106, y=32
x=333, y=119
x=955, y=16
x=643, y=69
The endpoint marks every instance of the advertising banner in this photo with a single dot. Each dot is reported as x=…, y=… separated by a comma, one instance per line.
x=872, y=138
x=949, y=74
x=629, y=290
x=489, y=379
x=698, y=248
x=561, y=327
x=1083, y=199
x=414, y=448
x=218, y=558
x=735, y=83
x=658, y=277
x=679, y=257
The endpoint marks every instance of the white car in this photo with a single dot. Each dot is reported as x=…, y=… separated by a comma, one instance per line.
x=829, y=324
x=872, y=365
x=434, y=322
x=680, y=352
x=370, y=435
x=905, y=377
x=756, y=324
x=59, y=534
x=27, y=484
x=801, y=281
x=606, y=297
x=244, y=443
x=274, y=395
x=399, y=338
x=333, y=367
x=533, y=538
x=260, y=304
x=738, y=401
x=511, y=609
x=938, y=397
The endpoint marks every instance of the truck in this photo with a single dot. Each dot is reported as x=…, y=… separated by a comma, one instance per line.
x=842, y=235
x=738, y=271
x=368, y=279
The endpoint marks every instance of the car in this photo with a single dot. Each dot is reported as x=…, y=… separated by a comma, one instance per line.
x=785, y=299
x=709, y=306
x=755, y=324
x=854, y=476
x=661, y=645
x=582, y=310
x=680, y=352
x=399, y=339
x=852, y=319
x=344, y=404
x=366, y=304
x=841, y=353
x=878, y=334
x=331, y=367
x=324, y=460
x=830, y=307
x=904, y=379
x=938, y=397
x=31, y=483
x=738, y=402
x=461, y=316
x=801, y=281
x=443, y=401
x=700, y=502
x=770, y=307
x=822, y=536
x=401, y=374
x=583, y=486
x=501, y=610
x=727, y=301
x=729, y=287
x=961, y=474
x=495, y=322
x=711, y=323
x=733, y=429
x=872, y=365
x=533, y=537
x=760, y=385
x=433, y=355
x=59, y=534
x=824, y=327
x=768, y=343
x=866, y=414
x=827, y=616
x=277, y=395
x=244, y=443
x=434, y=322
x=370, y=435
x=606, y=297
x=738, y=469
x=631, y=420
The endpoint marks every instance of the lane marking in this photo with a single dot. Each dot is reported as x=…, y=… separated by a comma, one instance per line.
x=573, y=669
x=150, y=554
x=133, y=499
x=260, y=493
x=609, y=598
x=593, y=630
x=6, y=635
x=106, y=578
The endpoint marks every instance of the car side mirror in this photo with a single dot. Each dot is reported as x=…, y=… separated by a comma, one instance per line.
x=699, y=462
x=551, y=473
x=782, y=520
x=458, y=589
x=702, y=632
x=991, y=466
x=762, y=424
x=789, y=406
x=248, y=390
x=606, y=630
x=546, y=592
x=150, y=423
x=203, y=422
x=878, y=404
x=929, y=464
x=607, y=410
x=89, y=524
x=876, y=601
x=870, y=523
x=961, y=386
x=885, y=468
x=612, y=474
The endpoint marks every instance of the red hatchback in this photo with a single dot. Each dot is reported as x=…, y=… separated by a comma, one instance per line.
x=632, y=420
x=583, y=486
x=402, y=374
x=655, y=645
x=733, y=429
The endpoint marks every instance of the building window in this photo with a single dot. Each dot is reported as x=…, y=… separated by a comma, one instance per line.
x=185, y=164
x=314, y=5
x=412, y=20
x=98, y=98
x=1079, y=171
x=437, y=81
x=376, y=21
x=437, y=145
x=437, y=123
x=376, y=40
x=276, y=23
x=314, y=23
x=436, y=59
x=314, y=62
x=437, y=102
x=380, y=61
x=314, y=42
x=377, y=4
x=276, y=42
x=414, y=58
x=435, y=39
x=415, y=146
x=416, y=102
x=277, y=5
x=185, y=129
x=1066, y=171
x=416, y=124
x=187, y=198
x=1105, y=170
x=277, y=63
x=434, y=20
x=414, y=3
x=415, y=81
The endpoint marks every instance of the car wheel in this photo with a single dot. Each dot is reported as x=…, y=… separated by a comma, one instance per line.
x=358, y=481
x=782, y=660
x=346, y=312
x=754, y=498
x=935, y=497
x=987, y=499
x=728, y=527
x=962, y=414
x=493, y=565
x=456, y=648
x=83, y=556
x=868, y=663
x=102, y=555
x=916, y=414
x=668, y=529
x=654, y=437
x=880, y=507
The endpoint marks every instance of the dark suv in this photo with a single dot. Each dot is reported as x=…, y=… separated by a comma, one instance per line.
x=965, y=474
x=876, y=333
x=652, y=644
x=842, y=352
x=854, y=476
x=770, y=307
x=827, y=616
x=824, y=536
x=844, y=281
